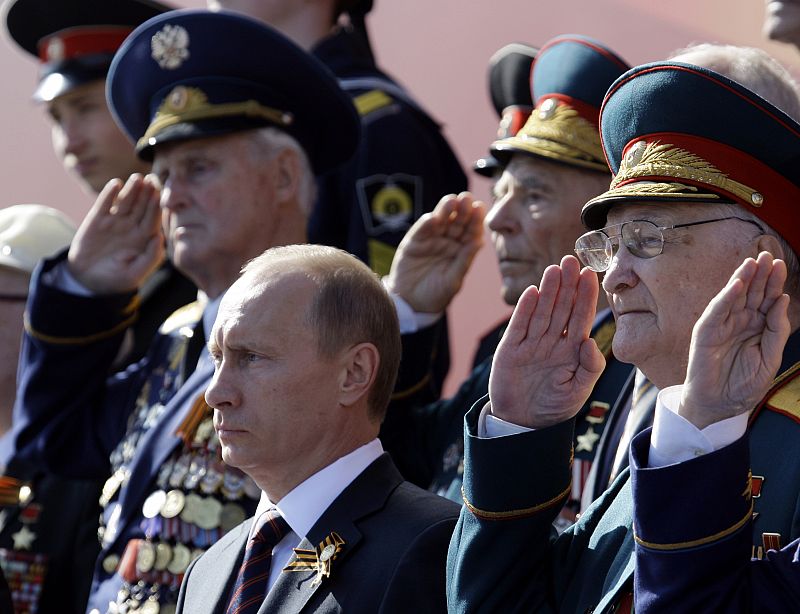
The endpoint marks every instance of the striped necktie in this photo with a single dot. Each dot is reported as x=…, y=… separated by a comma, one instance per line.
x=250, y=588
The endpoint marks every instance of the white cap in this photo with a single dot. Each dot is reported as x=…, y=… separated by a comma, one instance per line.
x=29, y=233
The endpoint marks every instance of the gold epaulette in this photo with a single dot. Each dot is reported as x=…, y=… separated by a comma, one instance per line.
x=785, y=398
x=371, y=101
x=604, y=336
x=188, y=315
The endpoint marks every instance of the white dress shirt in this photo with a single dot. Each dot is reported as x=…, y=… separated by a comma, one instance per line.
x=305, y=504
x=674, y=438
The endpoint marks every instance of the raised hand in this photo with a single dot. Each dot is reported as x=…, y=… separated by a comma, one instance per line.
x=737, y=344
x=547, y=364
x=436, y=253
x=119, y=242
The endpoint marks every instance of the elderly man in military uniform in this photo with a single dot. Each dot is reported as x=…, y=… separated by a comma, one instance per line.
x=237, y=120
x=552, y=165
x=690, y=201
x=73, y=42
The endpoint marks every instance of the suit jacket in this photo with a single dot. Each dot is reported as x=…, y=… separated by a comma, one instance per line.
x=395, y=544
x=514, y=486
x=698, y=558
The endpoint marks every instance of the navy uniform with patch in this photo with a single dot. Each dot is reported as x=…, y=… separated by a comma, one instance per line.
x=167, y=496
x=672, y=133
x=74, y=42
x=427, y=442
x=402, y=167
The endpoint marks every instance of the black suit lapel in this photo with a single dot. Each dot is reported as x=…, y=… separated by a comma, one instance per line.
x=364, y=496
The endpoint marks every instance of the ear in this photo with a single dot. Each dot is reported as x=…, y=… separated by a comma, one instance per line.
x=287, y=179
x=768, y=243
x=360, y=366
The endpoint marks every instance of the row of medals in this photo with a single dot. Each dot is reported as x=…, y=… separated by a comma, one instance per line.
x=193, y=519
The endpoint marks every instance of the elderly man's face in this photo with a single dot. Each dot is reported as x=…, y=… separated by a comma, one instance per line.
x=271, y=391
x=782, y=21
x=219, y=204
x=656, y=301
x=86, y=139
x=535, y=217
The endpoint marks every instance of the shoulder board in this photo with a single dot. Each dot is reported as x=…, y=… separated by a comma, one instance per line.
x=188, y=315
x=785, y=397
x=604, y=336
x=371, y=101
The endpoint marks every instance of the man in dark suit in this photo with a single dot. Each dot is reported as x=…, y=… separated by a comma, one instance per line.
x=306, y=348
x=235, y=140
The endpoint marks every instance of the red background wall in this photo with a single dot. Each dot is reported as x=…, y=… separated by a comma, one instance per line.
x=439, y=49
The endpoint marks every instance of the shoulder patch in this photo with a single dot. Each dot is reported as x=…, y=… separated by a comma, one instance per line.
x=785, y=398
x=371, y=101
x=188, y=315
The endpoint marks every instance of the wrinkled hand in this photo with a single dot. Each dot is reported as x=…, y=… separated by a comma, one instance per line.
x=737, y=344
x=547, y=364
x=119, y=242
x=435, y=255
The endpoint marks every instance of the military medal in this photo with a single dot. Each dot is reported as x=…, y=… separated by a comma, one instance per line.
x=190, y=506
x=145, y=557
x=163, y=556
x=181, y=557
x=207, y=515
x=210, y=482
x=154, y=504
x=230, y=516
x=320, y=559
x=173, y=504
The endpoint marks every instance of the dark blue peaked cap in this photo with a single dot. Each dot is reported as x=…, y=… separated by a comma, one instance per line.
x=194, y=73
x=570, y=76
x=74, y=40
x=675, y=132
x=510, y=91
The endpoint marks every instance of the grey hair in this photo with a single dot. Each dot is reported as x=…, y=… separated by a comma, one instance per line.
x=754, y=68
x=789, y=255
x=268, y=142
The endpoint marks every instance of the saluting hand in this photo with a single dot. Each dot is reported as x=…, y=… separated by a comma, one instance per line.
x=547, y=364
x=435, y=255
x=120, y=241
x=737, y=344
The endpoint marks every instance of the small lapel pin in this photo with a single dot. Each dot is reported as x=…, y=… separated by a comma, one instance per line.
x=319, y=559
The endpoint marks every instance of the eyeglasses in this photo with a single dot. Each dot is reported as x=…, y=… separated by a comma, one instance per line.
x=642, y=238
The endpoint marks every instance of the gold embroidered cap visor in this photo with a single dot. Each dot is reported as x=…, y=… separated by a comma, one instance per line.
x=191, y=73
x=555, y=130
x=679, y=133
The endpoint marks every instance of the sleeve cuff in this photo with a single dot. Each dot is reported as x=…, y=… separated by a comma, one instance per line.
x=410, y=320
x=60, y=278
x=677, y=440
x=490, y=426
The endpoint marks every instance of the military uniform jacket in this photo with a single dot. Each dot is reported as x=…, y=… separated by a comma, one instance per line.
x=401, y=169
x=392, y=560
x=427, y=442
x=71, y=415
x=514, y=487
x=698, y=558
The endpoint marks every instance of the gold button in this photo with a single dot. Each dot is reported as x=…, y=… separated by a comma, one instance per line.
x=757, y=198
x=547, y=108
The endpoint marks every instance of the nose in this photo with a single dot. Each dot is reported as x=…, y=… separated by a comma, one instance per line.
x=222, y=393
x=500, y=217
x=69, y=138
x=620, y=273
x=174, y=196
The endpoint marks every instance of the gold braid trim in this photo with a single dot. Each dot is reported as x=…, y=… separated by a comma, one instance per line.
x=665, y=160
x=188, y=104
x=697, y=542
x=512, y=514
x=79, y=340
x=558, y=131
